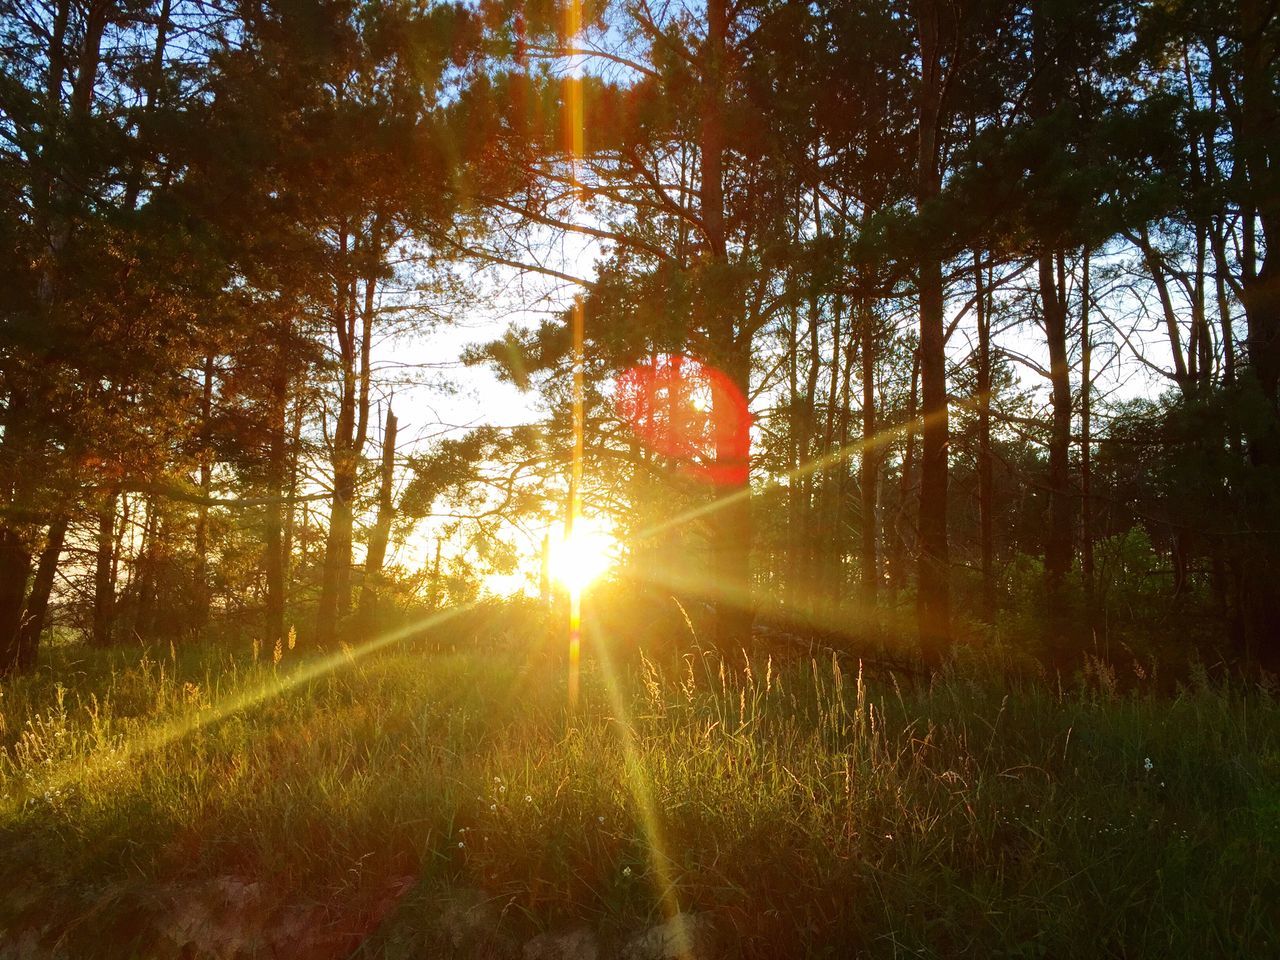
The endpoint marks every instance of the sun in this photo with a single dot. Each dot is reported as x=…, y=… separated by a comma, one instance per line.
x=582, y=557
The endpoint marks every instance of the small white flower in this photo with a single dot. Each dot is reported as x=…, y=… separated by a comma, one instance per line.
x=528, y=799
x=601, y=819
x=502, y=788
x=461, y=845
x=493, y=806
x=1147, y=765
x=626, y=871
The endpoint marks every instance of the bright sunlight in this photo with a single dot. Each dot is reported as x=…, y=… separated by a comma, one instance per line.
x=579, y=558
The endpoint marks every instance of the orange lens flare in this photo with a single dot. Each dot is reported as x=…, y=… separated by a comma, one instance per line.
x=691, y=412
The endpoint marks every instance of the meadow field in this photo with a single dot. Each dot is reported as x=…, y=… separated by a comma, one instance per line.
x=412, y=801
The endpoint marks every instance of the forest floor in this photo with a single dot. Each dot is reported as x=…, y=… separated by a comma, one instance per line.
x=199, y=802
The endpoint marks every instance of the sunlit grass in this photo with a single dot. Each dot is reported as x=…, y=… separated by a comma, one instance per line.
x=811, y=811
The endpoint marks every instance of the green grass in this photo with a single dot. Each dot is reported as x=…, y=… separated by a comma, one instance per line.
x=809, y=812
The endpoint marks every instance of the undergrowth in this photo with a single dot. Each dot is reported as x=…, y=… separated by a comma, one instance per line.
x=809, y=810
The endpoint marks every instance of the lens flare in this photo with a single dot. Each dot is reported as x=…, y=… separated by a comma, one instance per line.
x=691, y=412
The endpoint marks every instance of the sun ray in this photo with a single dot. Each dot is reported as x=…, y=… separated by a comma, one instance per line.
x=843, y=621
x=880, y=439
x=639, y=784
x=163, y=734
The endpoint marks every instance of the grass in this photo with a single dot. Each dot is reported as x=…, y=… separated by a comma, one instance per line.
x=810, y=811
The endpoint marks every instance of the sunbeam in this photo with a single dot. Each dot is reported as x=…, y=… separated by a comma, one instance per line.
x=880, y=439
x=640, y=785
x=157, y=737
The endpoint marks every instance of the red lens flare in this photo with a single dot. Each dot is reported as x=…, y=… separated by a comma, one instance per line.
x=691, y=412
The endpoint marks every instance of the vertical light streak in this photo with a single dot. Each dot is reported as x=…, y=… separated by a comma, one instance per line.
x=574, y=148
x=640, y=781
x=637, y=775
x=575, y=499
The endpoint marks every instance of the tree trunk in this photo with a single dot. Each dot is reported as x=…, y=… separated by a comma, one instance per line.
x=146, y=564
x=41, y=589
x=104, y=599
x=377, y=552
x=291, y=510
x=933, y=596
x=836, y=535
x=277, y=462
x=15, y=571
x=730, y=526
x=986, y=484
x=1221, y=275
x=435, y=592
x=869, y=462
x=807, y=561
x=16, y=474
x=335, y=575
x=1254, y=143
x=795, y=483
x=731, y=523
x=1086, y=427
x=200, y=572
x=1057, y=544
x=1256, y=146
x=897, y=554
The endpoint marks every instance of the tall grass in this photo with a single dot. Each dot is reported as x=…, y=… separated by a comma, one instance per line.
x=810, y=810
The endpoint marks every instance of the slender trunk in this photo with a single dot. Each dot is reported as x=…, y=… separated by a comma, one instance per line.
x=435, y=593
x=1057, y=543
x=1156, y=268
x=371, y=593
x=795, y=484
x=291, y=510
x=831, y=535
x=810, y=481
x=986, y=485
x=200, y=573
x=45, y=174
x=1199, y=316
x=104, y=599
x=146, y=579
x=1221, y=273
x=933, y=595
x=334, y=598
x=869, y=460
x=897, y=556
x=277, y=460
x=1086, y=427
x=836, y=535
